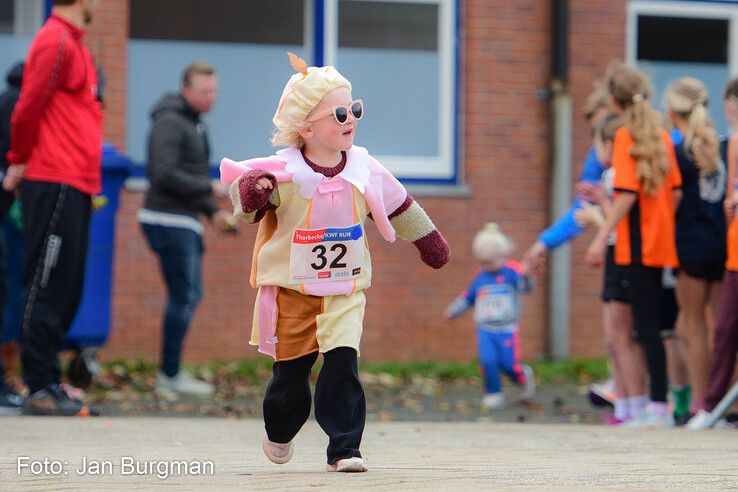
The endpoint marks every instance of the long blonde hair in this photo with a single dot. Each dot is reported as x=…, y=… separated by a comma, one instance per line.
x=687, y=97
x=631, y=89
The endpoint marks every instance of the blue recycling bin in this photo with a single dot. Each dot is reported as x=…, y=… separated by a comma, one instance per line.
x=92, y=325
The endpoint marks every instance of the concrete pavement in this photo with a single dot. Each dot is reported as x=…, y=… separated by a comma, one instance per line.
x=218, y=454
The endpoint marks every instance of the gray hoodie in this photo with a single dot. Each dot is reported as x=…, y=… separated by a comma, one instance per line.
x=178, y=162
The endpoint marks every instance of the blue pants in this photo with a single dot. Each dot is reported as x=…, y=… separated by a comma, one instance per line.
x=180, y=252
x=498, y=352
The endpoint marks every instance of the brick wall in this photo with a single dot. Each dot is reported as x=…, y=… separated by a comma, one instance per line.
x=107, y=39
x=597, y=38
x=505, y=62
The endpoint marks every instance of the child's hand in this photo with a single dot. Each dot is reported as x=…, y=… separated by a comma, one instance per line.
x=434, y=249
x=526, y=268
x=536, y=256
x=589, y=215
x=263, y=184
x=596, y=252
x=254, y=189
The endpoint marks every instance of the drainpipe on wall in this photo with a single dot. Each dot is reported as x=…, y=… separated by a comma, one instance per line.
x=559, y=279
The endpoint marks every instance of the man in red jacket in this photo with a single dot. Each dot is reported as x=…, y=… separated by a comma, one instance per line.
x=55, y=150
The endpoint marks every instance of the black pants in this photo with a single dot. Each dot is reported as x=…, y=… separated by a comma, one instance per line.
x=645, y=290
x=57, y=222
x=340, y=406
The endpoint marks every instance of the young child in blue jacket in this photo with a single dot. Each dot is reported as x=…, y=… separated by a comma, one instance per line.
x=495, y=293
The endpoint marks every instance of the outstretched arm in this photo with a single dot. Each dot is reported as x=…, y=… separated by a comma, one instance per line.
x=412, y=224
x=457, y=306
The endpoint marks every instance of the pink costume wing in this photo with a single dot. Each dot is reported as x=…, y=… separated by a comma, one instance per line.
x=384, y=195
x=230, y=170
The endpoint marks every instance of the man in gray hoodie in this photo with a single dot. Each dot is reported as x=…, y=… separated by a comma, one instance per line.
x=180, y=190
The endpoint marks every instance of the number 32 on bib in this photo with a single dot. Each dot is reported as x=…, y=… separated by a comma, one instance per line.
x=325, y=255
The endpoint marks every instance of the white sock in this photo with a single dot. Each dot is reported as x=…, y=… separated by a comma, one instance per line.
x=622, y=410
x=636, y=404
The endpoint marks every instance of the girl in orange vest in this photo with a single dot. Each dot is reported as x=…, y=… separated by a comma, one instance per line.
x=646, y=184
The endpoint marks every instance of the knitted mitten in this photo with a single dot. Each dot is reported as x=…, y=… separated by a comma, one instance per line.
x=250, y=204
x=411, y=223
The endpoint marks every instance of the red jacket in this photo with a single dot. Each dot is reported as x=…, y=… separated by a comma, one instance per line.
x=57, y=125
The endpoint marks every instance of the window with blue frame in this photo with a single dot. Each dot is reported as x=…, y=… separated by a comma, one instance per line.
x=400, y=56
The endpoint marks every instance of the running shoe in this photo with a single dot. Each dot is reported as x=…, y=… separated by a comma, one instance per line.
x=54, y=401
x=183, y=383
x=493, y=401
x=529, y=387
x=277, y=452
x=603, y=393
x=11, y=403
x=348, y=465
x=648, y=419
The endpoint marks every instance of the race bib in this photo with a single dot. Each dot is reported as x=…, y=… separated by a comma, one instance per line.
x=495, y=305
x=326, y=255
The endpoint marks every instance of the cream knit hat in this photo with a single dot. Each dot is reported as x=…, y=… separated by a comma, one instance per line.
x=304, y=91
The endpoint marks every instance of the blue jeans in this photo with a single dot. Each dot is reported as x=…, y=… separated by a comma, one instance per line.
x=180, y=252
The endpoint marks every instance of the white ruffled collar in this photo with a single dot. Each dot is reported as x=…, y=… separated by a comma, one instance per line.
x=355, y=172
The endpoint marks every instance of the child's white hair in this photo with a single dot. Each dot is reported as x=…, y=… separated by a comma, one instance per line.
x=491, y=244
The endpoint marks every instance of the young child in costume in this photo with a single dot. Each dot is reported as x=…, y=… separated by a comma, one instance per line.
x=495, y=294
x=311, y=262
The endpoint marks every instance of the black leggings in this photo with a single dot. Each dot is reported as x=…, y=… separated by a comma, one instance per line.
x=340, y=405
x=645, y=289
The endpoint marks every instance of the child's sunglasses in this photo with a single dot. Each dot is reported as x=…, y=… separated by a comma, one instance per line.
x=340, y=113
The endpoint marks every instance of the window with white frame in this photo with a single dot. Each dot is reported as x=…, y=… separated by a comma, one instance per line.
x=670, y=39
x=399, y=55
x=401, y=59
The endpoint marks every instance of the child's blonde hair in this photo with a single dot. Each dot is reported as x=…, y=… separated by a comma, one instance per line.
x=491, y=244
x=688, y=98
x=631, y=89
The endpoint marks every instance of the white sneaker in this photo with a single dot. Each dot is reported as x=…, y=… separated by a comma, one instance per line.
x=183, y=383
x=348, y=465
x=493, y=401
x=603, y=393
x=648, y=419
x=276, y=452
x=702, y=420
x=529, y=387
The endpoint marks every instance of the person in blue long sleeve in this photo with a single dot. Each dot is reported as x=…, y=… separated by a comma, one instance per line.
x=495, y=294
x=565, y=228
